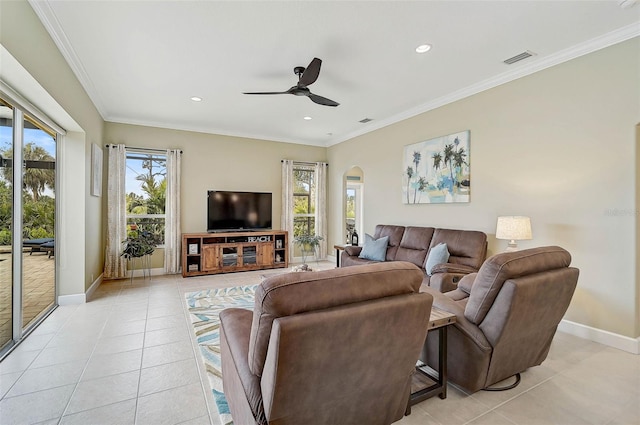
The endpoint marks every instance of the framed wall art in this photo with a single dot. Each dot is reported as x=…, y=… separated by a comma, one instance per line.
x=437, y=171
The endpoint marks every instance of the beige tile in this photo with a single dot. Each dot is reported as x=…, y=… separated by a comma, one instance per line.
x=491, y=418
x=167, y=353
x=104, y=391
x=559, y=400
x=34, y=407
x=418, y=417
x=166, y=336
x=118, y=344
x=44, y=378
x=7, y=380
x=165, y=322
x=112, y=364
x=457, y=408
x=18, y=361
x=167, y=376
x=172, y=406
x=121, y=413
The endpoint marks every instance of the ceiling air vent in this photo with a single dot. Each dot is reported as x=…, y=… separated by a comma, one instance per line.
x=517, y=58
x=365, y=120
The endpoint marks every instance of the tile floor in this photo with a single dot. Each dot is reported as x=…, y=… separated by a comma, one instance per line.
x=128, y=357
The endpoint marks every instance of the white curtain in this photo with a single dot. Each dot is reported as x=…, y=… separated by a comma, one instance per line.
x=286, y=221
x=114, y=263
x=172, y=231
x=321, y=208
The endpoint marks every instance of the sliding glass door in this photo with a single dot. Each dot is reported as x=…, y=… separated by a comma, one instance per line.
x=6, y=224
x=27, y=223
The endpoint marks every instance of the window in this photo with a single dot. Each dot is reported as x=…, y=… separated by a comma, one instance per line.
x=146, y=189
x=304, y=201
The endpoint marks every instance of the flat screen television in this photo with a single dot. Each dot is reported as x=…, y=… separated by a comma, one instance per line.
x=229, y=211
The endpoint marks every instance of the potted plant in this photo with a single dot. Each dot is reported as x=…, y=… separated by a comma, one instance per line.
x=308, y=245
x=137, y=245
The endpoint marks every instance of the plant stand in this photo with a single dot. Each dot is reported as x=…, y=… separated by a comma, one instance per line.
x=146, y=265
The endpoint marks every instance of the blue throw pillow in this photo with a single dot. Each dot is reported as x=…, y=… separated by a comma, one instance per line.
x=439, y=254
x=374, y=249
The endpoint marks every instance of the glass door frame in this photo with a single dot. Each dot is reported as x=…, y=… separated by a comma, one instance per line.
x=19, y=111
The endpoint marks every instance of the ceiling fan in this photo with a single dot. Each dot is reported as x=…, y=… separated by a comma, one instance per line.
x=306, y=77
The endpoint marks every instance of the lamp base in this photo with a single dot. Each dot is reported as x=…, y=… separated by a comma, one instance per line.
x=513, y=246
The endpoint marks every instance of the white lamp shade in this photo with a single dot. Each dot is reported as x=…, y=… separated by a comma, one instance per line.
x=513, y=228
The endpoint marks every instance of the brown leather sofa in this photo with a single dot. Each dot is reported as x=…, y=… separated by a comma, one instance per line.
x=330, y=347
x=467, y=249
x=507, y=315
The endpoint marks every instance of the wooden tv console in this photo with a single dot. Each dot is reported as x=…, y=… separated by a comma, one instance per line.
x=211, y=253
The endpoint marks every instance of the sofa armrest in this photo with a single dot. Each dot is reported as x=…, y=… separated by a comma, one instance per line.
x=353, y=251
x=452, y=268
x=445, y=276
x=241, y=387
x=457, y=307
x=445, y=282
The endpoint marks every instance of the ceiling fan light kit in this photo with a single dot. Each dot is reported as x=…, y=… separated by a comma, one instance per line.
x=306, y=77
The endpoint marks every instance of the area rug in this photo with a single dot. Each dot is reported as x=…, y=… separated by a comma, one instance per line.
x=204, y=312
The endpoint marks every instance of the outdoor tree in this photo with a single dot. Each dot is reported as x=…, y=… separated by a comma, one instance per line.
x=35, y=179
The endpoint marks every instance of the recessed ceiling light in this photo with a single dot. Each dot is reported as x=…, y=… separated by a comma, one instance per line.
x=196, y=99
x=307, y=118
x=423, y=48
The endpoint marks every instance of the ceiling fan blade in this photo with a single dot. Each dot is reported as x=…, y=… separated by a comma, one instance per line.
x=322, y=100
x=310, y=74
x=269, y=92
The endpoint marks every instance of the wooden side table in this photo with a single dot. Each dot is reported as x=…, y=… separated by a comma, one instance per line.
x=338, y=248
x=424, y=383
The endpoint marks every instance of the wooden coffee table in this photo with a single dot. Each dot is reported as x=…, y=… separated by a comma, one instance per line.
x=425, y=383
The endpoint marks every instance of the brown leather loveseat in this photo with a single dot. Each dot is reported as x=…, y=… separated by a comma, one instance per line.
x=331, y=347
x=467, y=249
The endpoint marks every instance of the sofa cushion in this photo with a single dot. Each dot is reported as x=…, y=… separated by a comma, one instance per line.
x=395, y=236
x=437, y=255
x=374, y=249
x=466, y=247
x=293, y=293
x=509, y=265
x=414, y=245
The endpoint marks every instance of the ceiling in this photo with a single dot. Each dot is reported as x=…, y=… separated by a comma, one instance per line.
x=142, y=61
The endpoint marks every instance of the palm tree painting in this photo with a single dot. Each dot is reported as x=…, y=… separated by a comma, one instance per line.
x=437, y=171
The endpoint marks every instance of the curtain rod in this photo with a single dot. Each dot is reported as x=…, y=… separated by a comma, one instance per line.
x=304, y=162
x=140, y=149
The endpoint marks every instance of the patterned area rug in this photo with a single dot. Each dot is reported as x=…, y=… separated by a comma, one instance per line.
x=204, y=310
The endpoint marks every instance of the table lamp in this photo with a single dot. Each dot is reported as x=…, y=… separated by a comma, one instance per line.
x=513, y=228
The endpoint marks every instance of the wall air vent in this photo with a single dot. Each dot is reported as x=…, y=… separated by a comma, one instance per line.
x=365, y=120
x=517, y=58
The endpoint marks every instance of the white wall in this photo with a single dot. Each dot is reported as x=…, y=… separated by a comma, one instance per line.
x=558, y=146
x=41, y=74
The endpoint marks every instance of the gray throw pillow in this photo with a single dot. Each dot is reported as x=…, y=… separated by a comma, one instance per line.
x=438, y=254
x=374, y=249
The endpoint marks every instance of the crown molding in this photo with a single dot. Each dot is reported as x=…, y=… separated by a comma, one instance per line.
x=50, y=21
x=213, y=131
x=595, y=44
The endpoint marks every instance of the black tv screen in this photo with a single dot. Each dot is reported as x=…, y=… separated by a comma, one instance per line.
x=238, y=211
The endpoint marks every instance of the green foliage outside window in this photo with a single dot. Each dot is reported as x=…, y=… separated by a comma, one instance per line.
x=150, y=171
x=38, y=208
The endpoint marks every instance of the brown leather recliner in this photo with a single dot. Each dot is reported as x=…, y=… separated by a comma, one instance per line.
x=507, y=315
x=330, y=347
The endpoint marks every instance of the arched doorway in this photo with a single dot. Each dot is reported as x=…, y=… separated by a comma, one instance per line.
x=353, y=183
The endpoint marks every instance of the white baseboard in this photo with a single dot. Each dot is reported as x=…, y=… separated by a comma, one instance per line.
x=96, y=283
x=621, y=342
x=72, y=299
x=80, y=298
x=145, y=272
